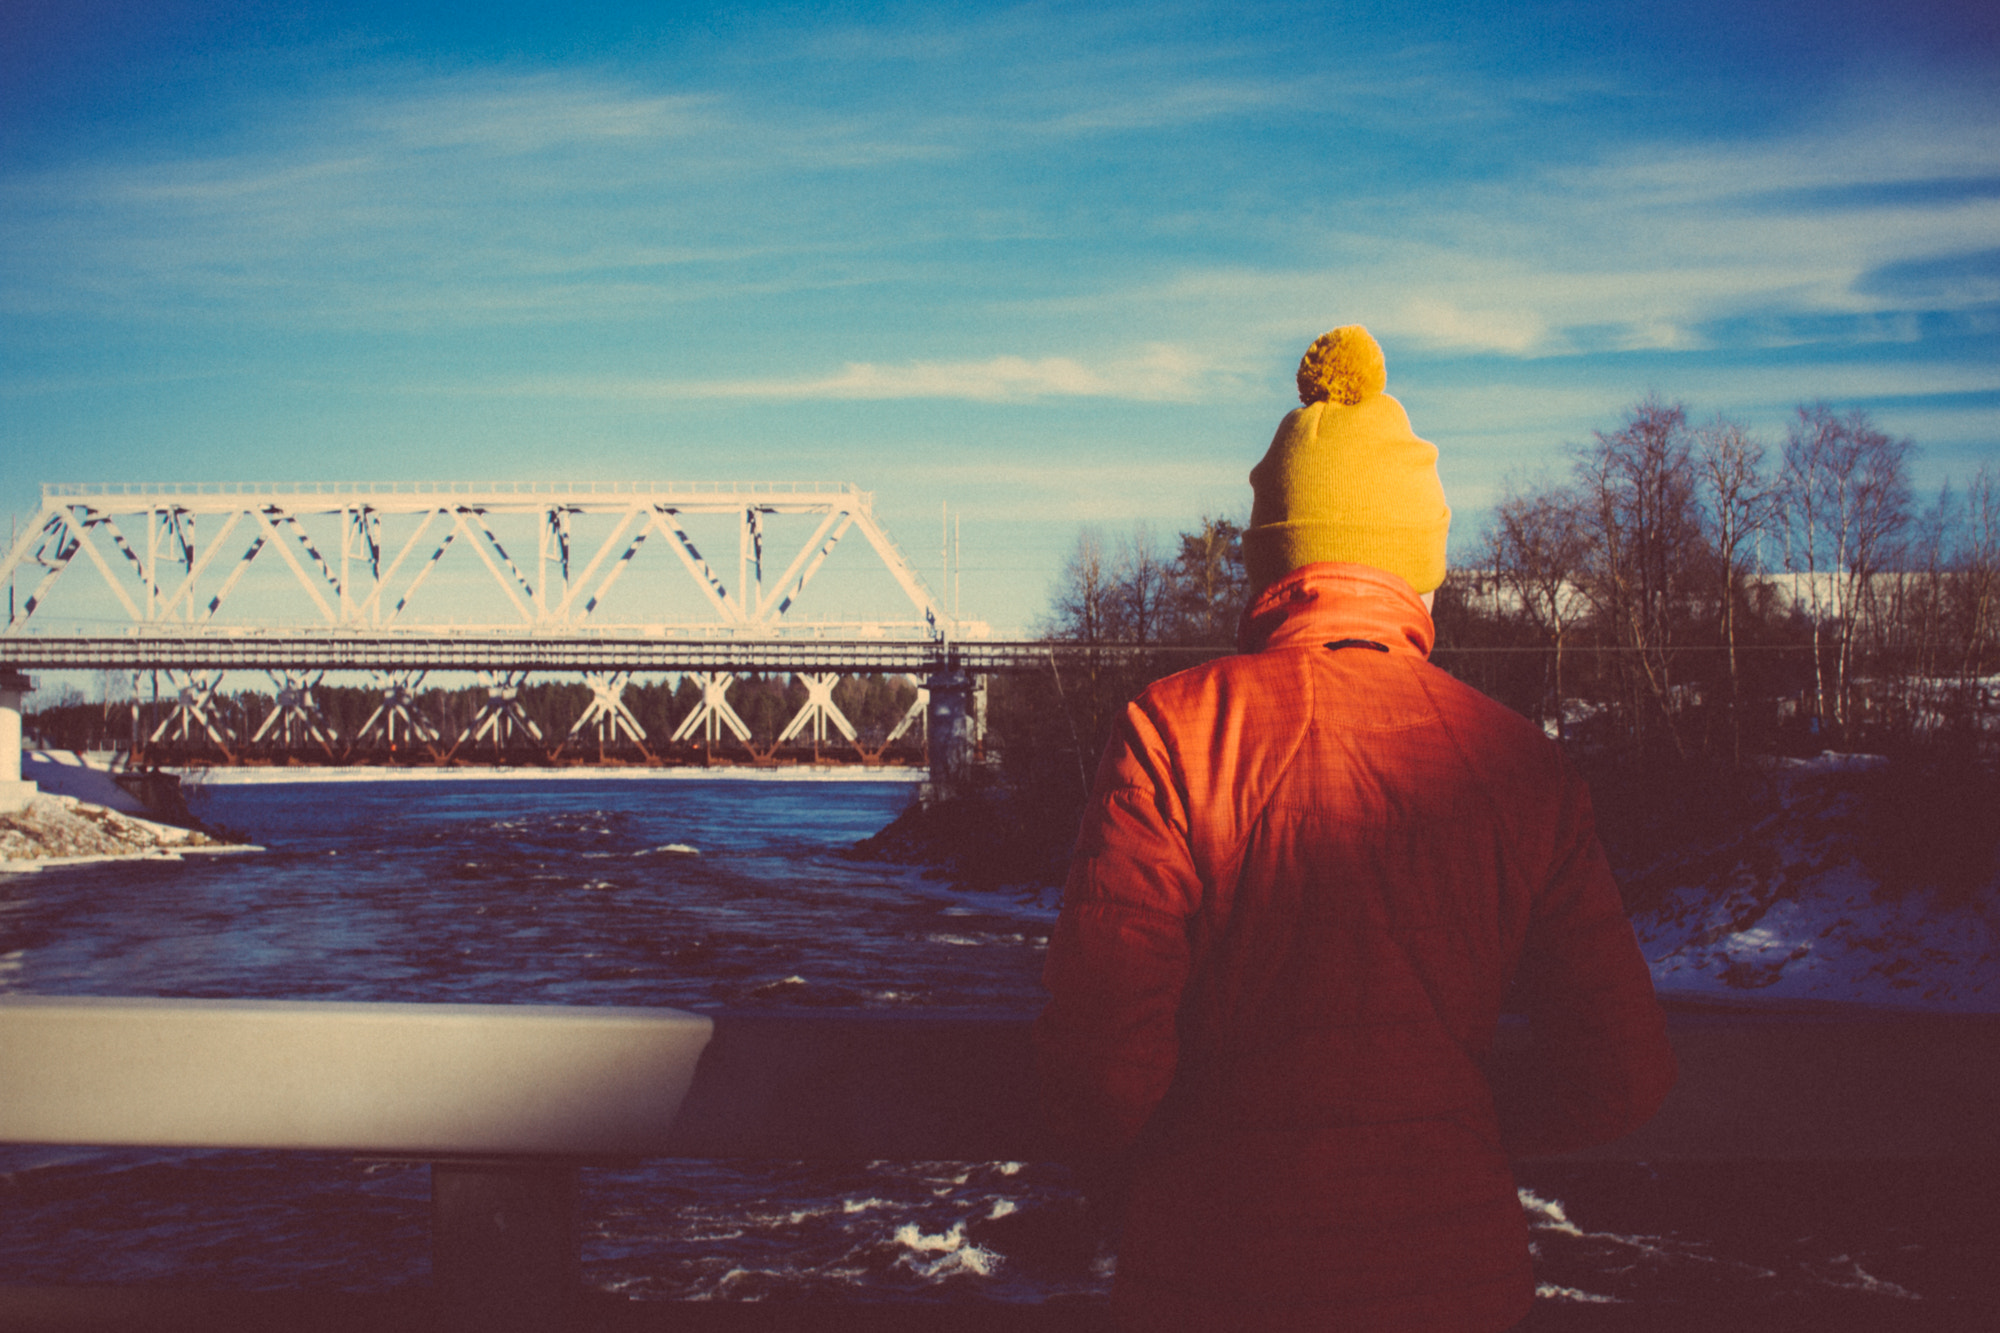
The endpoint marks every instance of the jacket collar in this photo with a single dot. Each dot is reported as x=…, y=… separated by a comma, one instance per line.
x=1333, y=600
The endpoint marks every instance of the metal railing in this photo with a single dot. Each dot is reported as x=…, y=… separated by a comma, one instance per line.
x=807, y=648
x=127, y=490
x=507, y=1101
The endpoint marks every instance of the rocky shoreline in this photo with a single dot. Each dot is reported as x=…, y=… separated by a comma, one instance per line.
x=976, y=841
x=62, y=830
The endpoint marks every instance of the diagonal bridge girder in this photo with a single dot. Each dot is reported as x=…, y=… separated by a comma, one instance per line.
x=333, y=549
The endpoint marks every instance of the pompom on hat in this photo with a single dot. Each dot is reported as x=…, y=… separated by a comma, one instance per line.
x=1346, y=478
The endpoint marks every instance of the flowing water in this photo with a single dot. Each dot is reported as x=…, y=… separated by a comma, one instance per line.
x=711, y=893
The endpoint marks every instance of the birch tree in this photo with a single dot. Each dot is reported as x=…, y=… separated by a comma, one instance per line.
x=1846, y=491
x=1739, y=504
x=1636, y=491
x=1536, y=546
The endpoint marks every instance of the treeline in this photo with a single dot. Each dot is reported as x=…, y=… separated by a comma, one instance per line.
x=1686, y=597
x=1693, y=592
x=1181, y=601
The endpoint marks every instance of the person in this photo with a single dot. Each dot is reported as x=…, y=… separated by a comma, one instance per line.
x=1309, y=878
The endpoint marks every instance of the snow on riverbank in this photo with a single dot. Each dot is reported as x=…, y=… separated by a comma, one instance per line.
x=1793, y=912
x=61, y=830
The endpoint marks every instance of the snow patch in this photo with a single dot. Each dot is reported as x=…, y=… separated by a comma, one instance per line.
x=1793, y=913
x=62, y=830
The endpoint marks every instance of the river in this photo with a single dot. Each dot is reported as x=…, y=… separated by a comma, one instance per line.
x=709, y=893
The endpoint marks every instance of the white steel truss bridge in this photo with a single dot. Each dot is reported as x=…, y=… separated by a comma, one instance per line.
x=705, y=580
x=373, y=558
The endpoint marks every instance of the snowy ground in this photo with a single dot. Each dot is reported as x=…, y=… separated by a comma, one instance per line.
x=1793, y=914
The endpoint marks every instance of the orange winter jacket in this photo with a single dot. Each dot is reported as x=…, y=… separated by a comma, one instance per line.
x=1307, y=878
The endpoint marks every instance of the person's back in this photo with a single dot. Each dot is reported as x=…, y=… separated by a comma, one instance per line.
x=1307, y=880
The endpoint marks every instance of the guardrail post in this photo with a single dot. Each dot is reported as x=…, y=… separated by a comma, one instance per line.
x=504, y=1246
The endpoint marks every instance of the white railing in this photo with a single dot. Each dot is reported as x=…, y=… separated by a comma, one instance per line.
x=509, y=1099
x=129, y=489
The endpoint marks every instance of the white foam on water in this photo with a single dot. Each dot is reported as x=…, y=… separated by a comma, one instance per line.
x=725, y=1286
x=911, y=1237
x=1549, y=1291
x=1547, y=1214
x=953, y=1254
x=1856, y=1278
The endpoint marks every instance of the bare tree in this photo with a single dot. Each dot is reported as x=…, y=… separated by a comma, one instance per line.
x=1636, y=491
x=1740, y=504
x=1978, y=584
x=1090, y=608
x=1537, y=546
x=1846, y=490
x=1084, y=602
x=1920, y=593
x=1141, y=575
x=1209, y=582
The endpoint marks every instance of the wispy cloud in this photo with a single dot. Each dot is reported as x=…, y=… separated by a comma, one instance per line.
x=1155, y=374
x=1826, y=234
x=584, y=197
x=530, y=114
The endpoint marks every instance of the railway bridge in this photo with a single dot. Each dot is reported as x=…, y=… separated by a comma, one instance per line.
x=395, y=583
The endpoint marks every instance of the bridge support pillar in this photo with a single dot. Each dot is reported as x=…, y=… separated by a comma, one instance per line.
x=14, y=793
x=957, y=725
x=295, y=717
x=399, y=711
x=195, y=705
x=712, y=713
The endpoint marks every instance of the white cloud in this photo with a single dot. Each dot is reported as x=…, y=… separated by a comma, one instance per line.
x=1157, y=373
x=531, y=114
x=1441, y=323
x=1656, y=247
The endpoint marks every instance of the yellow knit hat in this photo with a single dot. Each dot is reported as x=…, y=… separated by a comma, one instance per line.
x=1345, y=477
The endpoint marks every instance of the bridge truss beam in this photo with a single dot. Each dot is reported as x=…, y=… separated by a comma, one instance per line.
x=344, y=570
x=193, y=720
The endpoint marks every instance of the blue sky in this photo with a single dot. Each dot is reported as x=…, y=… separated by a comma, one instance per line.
x=1050, y=265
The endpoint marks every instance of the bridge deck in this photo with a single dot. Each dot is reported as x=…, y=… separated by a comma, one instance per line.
x=334, y=651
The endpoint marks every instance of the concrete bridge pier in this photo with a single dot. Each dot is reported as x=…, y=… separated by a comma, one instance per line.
x=14, y=793
x=957, y=723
